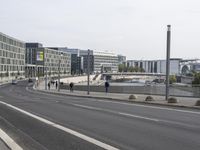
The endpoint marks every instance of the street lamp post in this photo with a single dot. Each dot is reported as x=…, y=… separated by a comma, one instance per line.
x=45, y=67
x=88, y=73
x=45, y=75
x=61, y=54
x=168, y=61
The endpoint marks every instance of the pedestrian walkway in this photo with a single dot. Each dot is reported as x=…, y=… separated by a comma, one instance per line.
x=159, y=100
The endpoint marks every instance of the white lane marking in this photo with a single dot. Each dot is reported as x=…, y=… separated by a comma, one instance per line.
x=136, y=116
x=9, y=141
x=75, y=133
x=140, y=117
x=179, y=123
x=88, y=107
x=129, y=104
x=115, y=112
x=154, y=107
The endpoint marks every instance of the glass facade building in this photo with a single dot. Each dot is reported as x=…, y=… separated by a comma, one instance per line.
x=39, y=58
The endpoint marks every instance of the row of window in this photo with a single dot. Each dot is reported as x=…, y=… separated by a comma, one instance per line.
x=10, y=41
x=11, y=68
x=55, y=52
x=12, y=74
x=11, y=61
x=105, y=57
x=11, y=48
x=11, y=55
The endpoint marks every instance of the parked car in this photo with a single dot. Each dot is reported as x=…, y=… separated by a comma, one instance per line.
x=14, y=82
x=30, y=80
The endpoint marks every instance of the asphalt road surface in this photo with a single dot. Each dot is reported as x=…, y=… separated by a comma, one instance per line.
x=120, y=125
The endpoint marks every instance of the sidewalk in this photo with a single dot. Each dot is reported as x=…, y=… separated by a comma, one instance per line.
x=158, y=100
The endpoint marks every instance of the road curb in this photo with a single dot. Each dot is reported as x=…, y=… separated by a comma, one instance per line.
x=121, y=100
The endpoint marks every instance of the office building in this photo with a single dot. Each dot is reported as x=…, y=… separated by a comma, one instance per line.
x=189, y=65
x=157, y=66
x=12, y=58
x=105, y=62
x=98, y=61
x=31, y=52
x=39, y=59
x=121, y=59
x=76, y=59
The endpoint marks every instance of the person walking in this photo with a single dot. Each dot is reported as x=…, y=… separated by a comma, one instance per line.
x=49, y=85
x=106, y=86
x=71, y=85
x=56, y=84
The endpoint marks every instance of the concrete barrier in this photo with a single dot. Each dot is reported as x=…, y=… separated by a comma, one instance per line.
x=154, y=90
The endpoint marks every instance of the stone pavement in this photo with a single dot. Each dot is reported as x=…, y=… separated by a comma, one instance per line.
x=158, y=100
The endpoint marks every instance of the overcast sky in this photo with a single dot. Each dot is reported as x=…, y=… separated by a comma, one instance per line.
x=135, y=28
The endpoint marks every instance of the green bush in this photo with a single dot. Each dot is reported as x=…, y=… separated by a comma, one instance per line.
x=172, y=79
x=172, y=100
x=149, y=98
x=196, y=79
x=132, y=97
x=197, y=103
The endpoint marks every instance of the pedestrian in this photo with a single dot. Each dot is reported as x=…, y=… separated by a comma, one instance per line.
x=106, y=86
x=49, y=85
x=56, y=84
x=71, y=86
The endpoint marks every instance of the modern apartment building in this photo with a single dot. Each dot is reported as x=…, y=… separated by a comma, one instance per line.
x=41, y=60
x=12, y=58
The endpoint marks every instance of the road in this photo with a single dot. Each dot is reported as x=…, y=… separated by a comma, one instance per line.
x=120, y=125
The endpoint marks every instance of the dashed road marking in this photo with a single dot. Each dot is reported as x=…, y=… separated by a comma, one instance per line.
x=115, y=112
x=129, y=104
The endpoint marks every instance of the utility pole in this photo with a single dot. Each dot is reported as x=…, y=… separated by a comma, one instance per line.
x=88, y=73
x=168, y=61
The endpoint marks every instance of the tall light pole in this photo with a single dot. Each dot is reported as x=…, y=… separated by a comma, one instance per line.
x=45, y=65
x=36, y=69
x=61, y=54
x=88, y=72
x=168, y=61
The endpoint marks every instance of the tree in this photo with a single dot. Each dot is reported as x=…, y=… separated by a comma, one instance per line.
x=135, y=69
x=131, y=69
x=196, y=78
x=122, y=68
x=172, y=79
